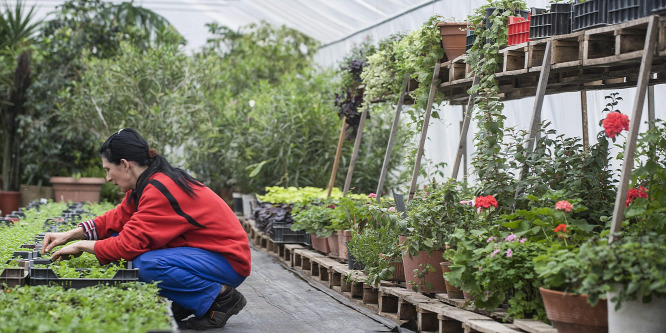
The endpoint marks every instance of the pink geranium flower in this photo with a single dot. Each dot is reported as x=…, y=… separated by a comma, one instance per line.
x=614, y=123
x=372, y=195
x=563, y=205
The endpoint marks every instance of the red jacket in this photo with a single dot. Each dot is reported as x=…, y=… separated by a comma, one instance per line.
x=167, y=217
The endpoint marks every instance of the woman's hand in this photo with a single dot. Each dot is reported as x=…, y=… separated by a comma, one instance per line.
x=74, y=250
x=53, y=239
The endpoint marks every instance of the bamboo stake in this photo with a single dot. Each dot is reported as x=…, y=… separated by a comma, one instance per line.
x=357, y=145
x=341, y=140
x=630, y=147
x=394, y=130
x=650, y=107
x=424, y=130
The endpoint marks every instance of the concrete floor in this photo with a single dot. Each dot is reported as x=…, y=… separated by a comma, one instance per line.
x=278, y=300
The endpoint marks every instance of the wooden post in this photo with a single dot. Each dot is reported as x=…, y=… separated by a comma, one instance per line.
x=583, y=107
x=341, y=140
x=394, y=130
x=538, y=102
x=357, y=145
x=463, y=131
x=630, y=147
x=424, y=130
x=650, y=107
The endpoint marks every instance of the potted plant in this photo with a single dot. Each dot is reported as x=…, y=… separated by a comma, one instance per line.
x=431, y=219
x=17, y=27
x=454, y=37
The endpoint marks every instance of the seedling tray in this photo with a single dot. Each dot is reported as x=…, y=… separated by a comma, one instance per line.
x=626, y=10
x=589, y=14
x=46, y=276
x=14, y=276
x=282, y=234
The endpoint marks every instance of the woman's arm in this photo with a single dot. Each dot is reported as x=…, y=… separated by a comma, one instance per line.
x=74, y=250
x=53, y=239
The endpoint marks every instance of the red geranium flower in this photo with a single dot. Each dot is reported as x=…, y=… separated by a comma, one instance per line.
x=563, y=205
x=561, y=228
x=614, y=123
x=633, y=193
x=485, y=202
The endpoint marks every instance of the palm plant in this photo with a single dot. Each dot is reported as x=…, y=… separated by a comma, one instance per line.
x=16, y=36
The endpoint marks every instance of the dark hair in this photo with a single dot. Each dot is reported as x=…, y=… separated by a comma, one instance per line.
x=129, y=145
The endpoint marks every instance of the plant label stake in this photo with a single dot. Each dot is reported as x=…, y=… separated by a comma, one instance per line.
x=394, y=129
x=630, y=149
x=424, y=130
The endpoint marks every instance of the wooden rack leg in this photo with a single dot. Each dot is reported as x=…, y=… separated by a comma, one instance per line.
x=650, y=107
x=424, y=130
x=394, y=129
x=463, y=131
x=583, y=108
x=357, y=146
x=341, y=140
x=630, y=147
x=538, y=102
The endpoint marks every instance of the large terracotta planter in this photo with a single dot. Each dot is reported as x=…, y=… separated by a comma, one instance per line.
x=9, y=201
x=30, y=193
x=319, y=243
x=571, y=313
x=84, y=189
x=344, y=236
x=333, y=243
x=454, y=36
x=432, y=282
x=451, y=290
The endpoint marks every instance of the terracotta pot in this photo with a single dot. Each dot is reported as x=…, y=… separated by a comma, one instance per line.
x=434, y=279
x=333, y=243
x=344, y=236
x=398, y=267
x=451, y=290
x=454, y=36
x=30, y=193
x=9, y=202
x=84, y=189
x=571, y=313
x=319, y=243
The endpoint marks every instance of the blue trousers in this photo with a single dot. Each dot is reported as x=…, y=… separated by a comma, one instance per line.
x=188, y=276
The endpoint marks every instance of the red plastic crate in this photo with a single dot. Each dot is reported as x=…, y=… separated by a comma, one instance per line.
x=519, y=30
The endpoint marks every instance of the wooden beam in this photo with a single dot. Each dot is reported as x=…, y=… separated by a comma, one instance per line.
x=341, y=140
x=538, y=102
x=357, y=146
x=650, y=107
x=583, y=107
x=424, y=130
x=630, y=146
x=463, y=132
x=394, y=130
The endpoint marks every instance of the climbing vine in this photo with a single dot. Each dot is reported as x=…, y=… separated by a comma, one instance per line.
x=491, y=30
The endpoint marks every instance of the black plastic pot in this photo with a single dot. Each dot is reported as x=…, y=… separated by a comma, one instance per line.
x=352, y=263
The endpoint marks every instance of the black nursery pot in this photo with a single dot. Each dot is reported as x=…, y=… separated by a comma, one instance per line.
x=352, y=263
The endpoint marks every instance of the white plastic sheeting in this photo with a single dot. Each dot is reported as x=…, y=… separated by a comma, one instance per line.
x=562, y=110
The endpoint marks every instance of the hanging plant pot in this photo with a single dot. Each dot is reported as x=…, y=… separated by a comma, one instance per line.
x=636, y=316
x=572, y=313
x=454, y=35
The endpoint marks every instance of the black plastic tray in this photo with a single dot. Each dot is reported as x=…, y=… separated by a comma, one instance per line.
x=589, y=14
